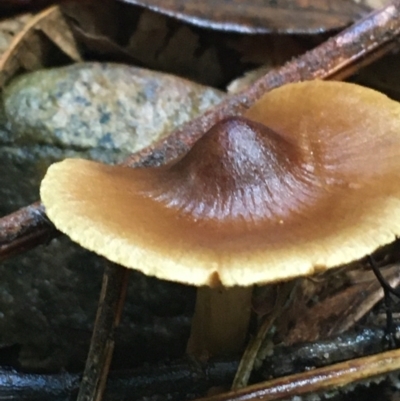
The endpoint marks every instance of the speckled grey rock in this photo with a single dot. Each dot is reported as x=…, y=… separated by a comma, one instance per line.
x=48, y=296
x=100, y=107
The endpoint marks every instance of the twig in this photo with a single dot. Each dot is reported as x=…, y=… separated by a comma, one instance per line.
x=112, y=298
x=339, y=57
x=317, y=380
x=24, y=229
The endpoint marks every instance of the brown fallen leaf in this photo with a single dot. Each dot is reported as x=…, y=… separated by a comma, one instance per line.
x=120, y=32
x=9, y=28
x=46, y=33
x=260, y=16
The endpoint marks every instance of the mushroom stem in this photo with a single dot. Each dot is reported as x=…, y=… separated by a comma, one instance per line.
x=220, y=321
x=112, y=299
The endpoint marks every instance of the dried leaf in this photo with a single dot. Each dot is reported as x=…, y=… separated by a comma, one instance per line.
x=31, y=48
x=9, y=29
x=120, y=32
x=260, y=16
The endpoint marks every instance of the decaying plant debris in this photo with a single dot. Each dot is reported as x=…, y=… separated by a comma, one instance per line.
x=338, y=58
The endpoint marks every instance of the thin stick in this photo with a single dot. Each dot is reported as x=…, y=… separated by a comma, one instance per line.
x=112, y=298
x=24, y=230
x=317, y=380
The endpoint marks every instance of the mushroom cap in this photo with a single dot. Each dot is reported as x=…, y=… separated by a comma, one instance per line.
x=307, y=180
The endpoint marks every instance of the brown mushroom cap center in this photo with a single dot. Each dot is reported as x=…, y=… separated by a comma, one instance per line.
x=240, y=170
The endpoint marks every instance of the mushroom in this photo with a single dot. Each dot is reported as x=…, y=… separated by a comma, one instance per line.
x=308, y=179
